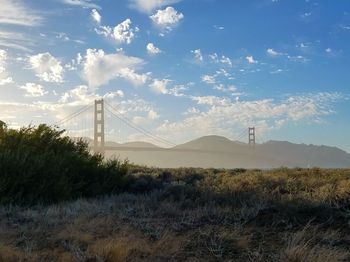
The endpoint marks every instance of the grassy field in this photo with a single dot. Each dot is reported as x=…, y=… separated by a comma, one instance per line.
x=192, y=215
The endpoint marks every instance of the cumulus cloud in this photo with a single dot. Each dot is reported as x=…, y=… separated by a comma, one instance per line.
x=82, y=95
x=160, y=86
x=251, y=60
x=152, y=49
x=5, y=81
x=33, y=90
x=100, y=68
x=208, y=79
x=197, y=55
x=4, y=78
x=167, y=18
x=223, y=115
x=179, y=90
x=79, y=95
x=211, y=100
x=133, y=77
x=122, y=33
x=15, y=12
x=47, y=67
x=147, y=6
x=82, y=3
x=96, y=16
x=112, y=95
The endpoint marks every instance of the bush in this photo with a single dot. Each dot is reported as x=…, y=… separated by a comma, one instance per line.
x=40, y=165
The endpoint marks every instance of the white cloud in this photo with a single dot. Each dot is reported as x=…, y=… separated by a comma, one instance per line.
x=167, y=18
x=62, y=36
x=152, y=49
x=272, y=52
x=197, y=55
x=147, y=6
x=160, y=86
x=191, y=111
x=298, y=58
x=214, y=58
x=226, y=60
x=65, y=38
x=133, y=77
x=224, y=73
x=106, y=31
x=82, y=3
x=153, y=115
x=80, y=95
x=122, y=33
x=142, y=120
x=96, y=16
x=208, y=79
x=74, y=63
x=219, y=27
x=111, y=95
x=227, y=89
x=99, y=68
x=14, y=12
x=5, y=81
x=211, y=100
x=3, y=58
x=345, y=27
x=4, y=78
x=251, y=60
x=328, y=50
x=34, y=90
x=15, y=40
x=277, y=71
x=179, y=90
x=224, y=116
x=47, y=67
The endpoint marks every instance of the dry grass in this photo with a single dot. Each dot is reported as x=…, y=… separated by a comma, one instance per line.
x=192, y=215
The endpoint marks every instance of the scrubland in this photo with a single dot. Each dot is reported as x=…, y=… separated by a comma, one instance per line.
x=59, y=202
x=191, y=215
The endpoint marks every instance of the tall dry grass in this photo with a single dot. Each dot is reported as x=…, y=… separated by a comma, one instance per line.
x=192, y=215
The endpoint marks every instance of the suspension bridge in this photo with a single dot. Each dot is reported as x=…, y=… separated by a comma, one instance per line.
x=81, y=124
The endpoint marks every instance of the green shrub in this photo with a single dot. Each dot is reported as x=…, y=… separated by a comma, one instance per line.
x=40, y=165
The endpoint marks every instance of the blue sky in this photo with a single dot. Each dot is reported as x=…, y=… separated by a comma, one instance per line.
x=181, y=69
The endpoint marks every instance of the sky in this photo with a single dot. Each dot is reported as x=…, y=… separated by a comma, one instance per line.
x=181, y=69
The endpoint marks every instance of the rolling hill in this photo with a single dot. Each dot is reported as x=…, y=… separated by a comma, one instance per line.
x=220, y=152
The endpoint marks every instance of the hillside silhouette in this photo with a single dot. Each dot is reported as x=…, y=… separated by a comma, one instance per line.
x=220, y=152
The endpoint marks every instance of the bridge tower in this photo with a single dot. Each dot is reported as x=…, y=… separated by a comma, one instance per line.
x=251, y=136
x=99, y=127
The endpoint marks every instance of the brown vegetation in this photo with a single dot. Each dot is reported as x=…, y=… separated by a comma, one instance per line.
x=192, y=215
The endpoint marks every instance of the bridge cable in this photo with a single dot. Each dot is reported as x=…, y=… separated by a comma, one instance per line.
x=73, y=115
x=141, y=130
x=138, y=128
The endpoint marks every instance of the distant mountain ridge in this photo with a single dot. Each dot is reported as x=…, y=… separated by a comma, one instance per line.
x=221, y=152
